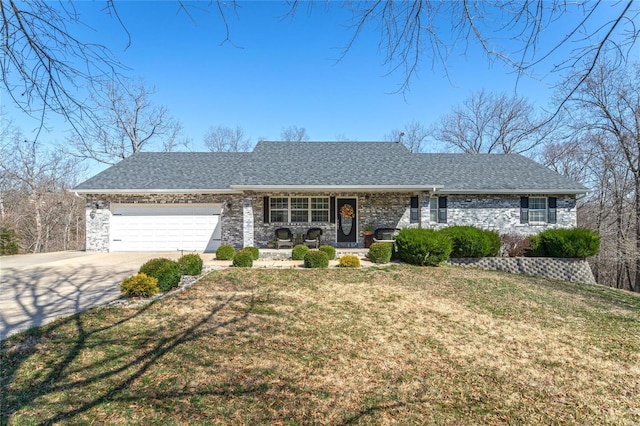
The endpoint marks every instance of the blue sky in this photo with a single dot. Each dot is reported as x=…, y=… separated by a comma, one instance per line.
x=280, y=72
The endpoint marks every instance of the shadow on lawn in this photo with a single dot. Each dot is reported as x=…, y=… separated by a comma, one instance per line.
x=13, y=352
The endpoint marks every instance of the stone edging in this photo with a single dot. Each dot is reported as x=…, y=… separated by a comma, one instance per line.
x=574, y=270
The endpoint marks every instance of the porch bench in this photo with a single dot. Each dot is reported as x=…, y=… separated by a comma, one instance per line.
x=385, y=235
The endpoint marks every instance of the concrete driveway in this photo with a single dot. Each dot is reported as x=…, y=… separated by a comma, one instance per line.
x=37, y=288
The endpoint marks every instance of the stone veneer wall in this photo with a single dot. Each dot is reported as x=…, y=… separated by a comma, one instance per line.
x=242, y=219
x=97, y=232
x=502, y=213
x=574, y=270
x=381, y=210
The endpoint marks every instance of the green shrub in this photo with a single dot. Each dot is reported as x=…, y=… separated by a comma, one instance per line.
x=243, y=259
x=140, y=285
x=255, y=252
x=316, y=259
x=419, y=246
x=151, y=266
x=380, y=252
x=166, y=271
x=9, y=243
x=225, y=252
x=299, y=251
x=329, y=250
x=535, y=247
x=469, y=241
x=567, y=243
x=190, y=264
x=349, y=261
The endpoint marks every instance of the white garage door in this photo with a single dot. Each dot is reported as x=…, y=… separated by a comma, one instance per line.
x=165, y=227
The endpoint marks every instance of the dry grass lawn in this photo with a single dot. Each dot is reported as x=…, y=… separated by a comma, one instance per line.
x=393, y=345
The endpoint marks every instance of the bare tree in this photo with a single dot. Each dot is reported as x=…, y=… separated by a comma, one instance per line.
x=226, y=139
x=605, y=112
x=513, y=32
x=36, y=199
x=294, y=134
x=491, y=123
x=413, y=135
x=45, y=67
x=127, y=123
x=43, y=62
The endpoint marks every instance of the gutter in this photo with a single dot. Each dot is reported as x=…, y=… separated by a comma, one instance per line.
x=513, y=191
x=156, y=191
x=325, y=188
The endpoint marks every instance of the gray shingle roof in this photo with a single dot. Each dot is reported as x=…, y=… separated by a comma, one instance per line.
x=328, y=164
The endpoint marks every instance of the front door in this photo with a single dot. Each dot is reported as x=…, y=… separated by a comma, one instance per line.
x=347, y=221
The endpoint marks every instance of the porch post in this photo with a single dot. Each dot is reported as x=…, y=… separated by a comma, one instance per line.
x=247, y=221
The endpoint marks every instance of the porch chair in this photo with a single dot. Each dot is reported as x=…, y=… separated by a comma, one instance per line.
x=284, y=238
x=312, y=237
x=385, y=235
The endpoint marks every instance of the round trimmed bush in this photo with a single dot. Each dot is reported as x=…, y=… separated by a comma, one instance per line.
x=349, y=261
x=243, y=259
x=299, y=251
x=566, y=243
x=152, y=265
x=190, y=264
x=140, y=285
x=316, y=259
x=469, y=241
x=225, y=252
x=424, y=247
x=329, y=250
x=166, y=271
x=380, y=252
x=255, y=252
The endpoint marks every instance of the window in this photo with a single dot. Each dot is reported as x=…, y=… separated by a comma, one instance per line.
x=537, y=209
x=415, y=213
x=279, y=209
x=438, y=209
x=433, y=209
x=298, y=209
x=319, y=209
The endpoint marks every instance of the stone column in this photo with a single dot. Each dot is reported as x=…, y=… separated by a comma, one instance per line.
x=247, y=221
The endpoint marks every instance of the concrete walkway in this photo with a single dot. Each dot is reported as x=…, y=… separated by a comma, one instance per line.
x=35, y=289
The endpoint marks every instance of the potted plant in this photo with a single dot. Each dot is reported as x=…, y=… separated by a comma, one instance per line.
x=368, y=235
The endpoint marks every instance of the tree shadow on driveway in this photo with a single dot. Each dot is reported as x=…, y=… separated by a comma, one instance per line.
x=31, y=297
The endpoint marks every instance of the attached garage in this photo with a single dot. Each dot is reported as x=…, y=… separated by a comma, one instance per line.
x=165, y=227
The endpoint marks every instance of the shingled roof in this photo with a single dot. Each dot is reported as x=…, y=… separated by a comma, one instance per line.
x=326, y=165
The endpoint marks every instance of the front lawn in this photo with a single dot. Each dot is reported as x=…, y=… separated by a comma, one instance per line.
x=398, y=344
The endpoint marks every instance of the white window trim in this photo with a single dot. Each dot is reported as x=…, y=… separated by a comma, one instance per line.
x=545, y=210
x=433, y=199
x=309, y=209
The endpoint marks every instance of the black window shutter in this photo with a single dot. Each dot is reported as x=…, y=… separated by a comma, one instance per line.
x=552, y=209
x=414, y=212
x=266, y=209
x=524, y=209
x=332, y=213
x=442, y=209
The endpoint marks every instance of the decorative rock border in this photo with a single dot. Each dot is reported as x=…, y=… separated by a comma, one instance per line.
x=574, y=270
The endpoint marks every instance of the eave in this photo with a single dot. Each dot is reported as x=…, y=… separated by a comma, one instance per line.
x=522, y=191
x=156, y=191
x=334, y=188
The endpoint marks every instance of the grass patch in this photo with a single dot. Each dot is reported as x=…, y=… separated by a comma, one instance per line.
x=399, y=344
